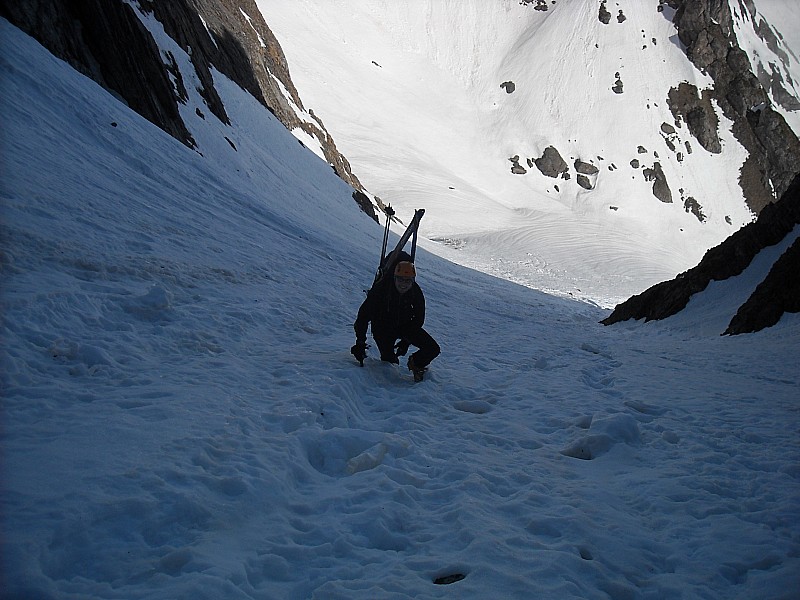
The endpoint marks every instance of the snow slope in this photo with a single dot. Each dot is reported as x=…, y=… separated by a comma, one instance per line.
x=412, y=93
x=181, y=417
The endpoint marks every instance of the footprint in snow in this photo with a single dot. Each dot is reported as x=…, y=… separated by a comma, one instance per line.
x=449, y=578
x=476, y=407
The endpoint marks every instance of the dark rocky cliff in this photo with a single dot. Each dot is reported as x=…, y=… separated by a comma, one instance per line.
x=779, y=293
x=106, y=40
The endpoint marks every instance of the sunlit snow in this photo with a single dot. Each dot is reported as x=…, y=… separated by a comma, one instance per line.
x=413, y=94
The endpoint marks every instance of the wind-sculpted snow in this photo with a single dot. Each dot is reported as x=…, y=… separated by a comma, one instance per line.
x=576, y=259
x=182, y=417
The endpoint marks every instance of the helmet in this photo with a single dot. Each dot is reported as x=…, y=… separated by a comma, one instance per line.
x=405, y=269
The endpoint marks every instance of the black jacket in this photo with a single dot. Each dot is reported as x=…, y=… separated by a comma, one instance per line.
x=391, y=313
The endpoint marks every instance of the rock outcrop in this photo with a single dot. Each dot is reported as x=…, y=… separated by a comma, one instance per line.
x=551, y=164
x=516, y=168
x=705, y=27
x=508, y=86
x=107, y=41
x=660, y=186
x=688, y=105
x=603, y=15
x=587, y=173
x=779, y=293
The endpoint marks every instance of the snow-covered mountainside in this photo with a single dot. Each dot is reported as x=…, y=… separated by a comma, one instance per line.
x=181, y=417
x=697, y=120
x=571, y=146
x=135, y=50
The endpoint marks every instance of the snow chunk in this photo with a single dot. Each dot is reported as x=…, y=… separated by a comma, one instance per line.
x=603, y=435
x=152, y=306
x=338, y=452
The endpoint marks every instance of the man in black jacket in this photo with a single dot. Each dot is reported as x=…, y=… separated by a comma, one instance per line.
x=396, y=308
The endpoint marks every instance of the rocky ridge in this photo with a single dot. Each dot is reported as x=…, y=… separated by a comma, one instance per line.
x=777, y=294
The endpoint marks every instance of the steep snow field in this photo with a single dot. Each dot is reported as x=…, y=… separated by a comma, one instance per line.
x=411, y=91
x=181, y=417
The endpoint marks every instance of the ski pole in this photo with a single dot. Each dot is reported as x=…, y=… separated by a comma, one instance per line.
x=389, y=214
x=414, y=243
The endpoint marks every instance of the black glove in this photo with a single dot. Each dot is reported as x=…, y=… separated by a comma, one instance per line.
x=359, y=350
x=401, y=347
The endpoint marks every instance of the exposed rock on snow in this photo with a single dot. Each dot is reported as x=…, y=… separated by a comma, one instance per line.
x=660, y=186
x=603, y=14
x=778, y=293
x=617, y=87
x=516, y=168
x=551, y=164
x=689, y=105
x=538, y=4
x=774, y=80
x=508, y=86
x=455, y=577
x=693, y=206
x=84, y=34
x=587, y=173
x=586, y=168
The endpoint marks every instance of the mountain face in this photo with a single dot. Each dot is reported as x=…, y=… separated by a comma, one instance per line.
x=575, y=147
x=109, y=41
x=626, y=181
x=708, y=32
x=773, y=162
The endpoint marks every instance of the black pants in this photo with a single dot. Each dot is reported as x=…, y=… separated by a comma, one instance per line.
x=428, y=348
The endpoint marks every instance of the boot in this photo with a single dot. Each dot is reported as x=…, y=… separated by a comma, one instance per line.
x=419, y=373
